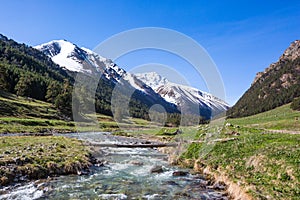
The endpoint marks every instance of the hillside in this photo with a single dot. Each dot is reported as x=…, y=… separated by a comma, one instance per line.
x=26, y=72
x=277, y=85
x=282, y=118
x=27, y=115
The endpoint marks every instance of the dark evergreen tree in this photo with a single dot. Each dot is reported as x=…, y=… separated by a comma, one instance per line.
x=295, y=105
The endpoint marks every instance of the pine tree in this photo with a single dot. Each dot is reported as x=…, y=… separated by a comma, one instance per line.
x=23, y=87
x=63, y=101
x=53, y=90
x=3, y=79
x=296, y=104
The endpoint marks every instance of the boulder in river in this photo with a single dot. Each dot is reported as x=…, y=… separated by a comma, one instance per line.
x=136, y=162
x=180, y=173
x=157, y=169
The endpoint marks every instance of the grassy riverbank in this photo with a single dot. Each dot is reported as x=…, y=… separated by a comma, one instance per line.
x=263, y=164
x=33, y=157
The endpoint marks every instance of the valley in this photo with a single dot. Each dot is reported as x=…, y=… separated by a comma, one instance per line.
x=118, y=135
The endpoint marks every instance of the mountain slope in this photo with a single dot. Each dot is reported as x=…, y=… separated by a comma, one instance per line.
x=277, y=85
x=73, y=58
x=83, y=60
x=27, y=72
x=189, y=100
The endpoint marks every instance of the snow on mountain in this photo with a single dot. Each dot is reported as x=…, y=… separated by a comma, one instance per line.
x=60, y=52
x=184, y=97
x=73, y=58
x=152, y=86
x=152, y=79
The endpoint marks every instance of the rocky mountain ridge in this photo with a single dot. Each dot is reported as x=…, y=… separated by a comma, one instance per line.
x=279, y=84
x=291, y=53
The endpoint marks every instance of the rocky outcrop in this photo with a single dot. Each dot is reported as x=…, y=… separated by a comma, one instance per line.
x=291, y=53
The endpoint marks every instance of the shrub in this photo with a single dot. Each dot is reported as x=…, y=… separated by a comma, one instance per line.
x=296, y=104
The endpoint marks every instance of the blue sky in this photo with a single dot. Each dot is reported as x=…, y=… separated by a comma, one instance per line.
x=242, y=37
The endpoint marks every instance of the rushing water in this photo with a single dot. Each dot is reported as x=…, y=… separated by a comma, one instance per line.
x=125, y=175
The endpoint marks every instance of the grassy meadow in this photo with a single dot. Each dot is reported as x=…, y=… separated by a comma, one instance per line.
x=26, y=115
x=265, y=164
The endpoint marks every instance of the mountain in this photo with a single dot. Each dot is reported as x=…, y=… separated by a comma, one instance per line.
x=73, y=58
x=149, y=88
x=82, y=60
x=27, y=72
x=152, y=79
x=275, y=86
x=188, y=99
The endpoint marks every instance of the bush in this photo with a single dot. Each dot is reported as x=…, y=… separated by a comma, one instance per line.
x=296, y=104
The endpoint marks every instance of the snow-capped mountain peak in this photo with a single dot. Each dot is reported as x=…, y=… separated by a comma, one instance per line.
x=61, y=52
x=74, y=58
x=153, y=79
x=185, y=97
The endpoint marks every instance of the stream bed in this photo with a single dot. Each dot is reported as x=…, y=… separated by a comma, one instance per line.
x=126, y=174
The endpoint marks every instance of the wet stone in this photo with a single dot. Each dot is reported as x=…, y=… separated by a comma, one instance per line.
x=157, y=169
x=170, y=183
x=180, y=173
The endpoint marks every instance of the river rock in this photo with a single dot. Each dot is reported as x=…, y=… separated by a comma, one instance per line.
x=157, y=169
x=136, y=162
x=170, y=183
x=180, y=173
x=218, y=186
x=96, y=162
x=82, y=173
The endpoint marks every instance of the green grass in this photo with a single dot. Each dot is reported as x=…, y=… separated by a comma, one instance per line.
x=281, y=118
x=26, y=115
x=11, y=105
x=39, y=157
x=34, y=125
x=269, y=162
x=265, y=164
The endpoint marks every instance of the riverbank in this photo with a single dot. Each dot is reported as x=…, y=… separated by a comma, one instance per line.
x=25, y=158
x=254, y=165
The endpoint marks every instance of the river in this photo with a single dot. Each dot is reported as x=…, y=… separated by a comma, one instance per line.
x=126, y=174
